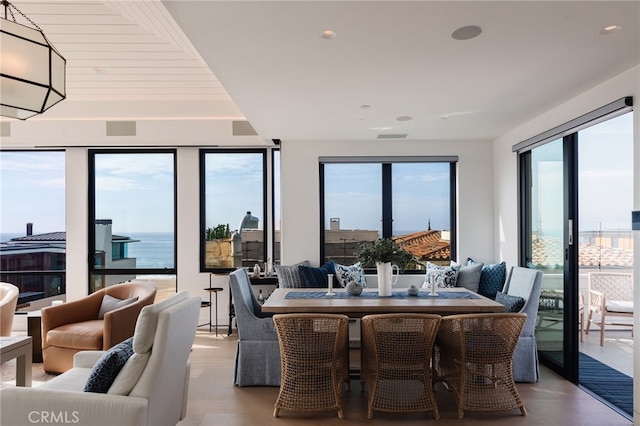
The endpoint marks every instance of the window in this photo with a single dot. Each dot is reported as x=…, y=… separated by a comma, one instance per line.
x=411, y=200
x=233, y=209
x=132, y=214
x=32, y=237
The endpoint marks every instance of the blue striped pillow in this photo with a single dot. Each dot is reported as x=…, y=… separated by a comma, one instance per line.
x=317, y=277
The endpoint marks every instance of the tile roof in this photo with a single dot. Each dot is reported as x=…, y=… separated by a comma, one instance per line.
x=425, y=245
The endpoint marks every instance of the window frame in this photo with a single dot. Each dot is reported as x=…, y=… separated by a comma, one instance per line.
x=386, y=164
x=92, y=270
x=268, y=235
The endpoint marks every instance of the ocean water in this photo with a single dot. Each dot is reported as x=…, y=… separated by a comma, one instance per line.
x=153, y=249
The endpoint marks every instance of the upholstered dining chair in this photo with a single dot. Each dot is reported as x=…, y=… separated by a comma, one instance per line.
x=526, y=283
x=8, y=302
x=396, y=362
x=473, y=357
x=315, y=361
x=257, y=353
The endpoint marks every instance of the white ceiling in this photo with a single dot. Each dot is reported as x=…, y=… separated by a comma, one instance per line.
x=397, y=57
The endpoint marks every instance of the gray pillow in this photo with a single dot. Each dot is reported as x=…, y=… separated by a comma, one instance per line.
x=469, y=277
x=290, y=276
x=110, y=303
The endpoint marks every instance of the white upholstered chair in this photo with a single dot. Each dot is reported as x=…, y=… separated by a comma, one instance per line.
x=151, y=388
x=8, y=302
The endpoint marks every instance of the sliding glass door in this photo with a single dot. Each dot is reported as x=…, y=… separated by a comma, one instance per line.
x=576, y=200
x=547, y=242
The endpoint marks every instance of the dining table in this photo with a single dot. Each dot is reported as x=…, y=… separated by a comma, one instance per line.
x=445, y=301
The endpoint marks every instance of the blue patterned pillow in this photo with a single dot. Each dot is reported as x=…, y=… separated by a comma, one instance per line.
x=444, y=276
x=511, y=303
x=346, y=274
x=289, y=276
x=491, y=278
x=317, y=277
x=108, y=366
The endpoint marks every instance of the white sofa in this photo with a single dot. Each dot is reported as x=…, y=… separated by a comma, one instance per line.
x=154, y=380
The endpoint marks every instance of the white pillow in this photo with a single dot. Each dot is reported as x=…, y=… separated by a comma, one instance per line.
x=130, y=374
x=444, y=276
x=345, y=274
x=110, y=303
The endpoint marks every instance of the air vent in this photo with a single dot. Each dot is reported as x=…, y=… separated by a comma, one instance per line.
x=242, y=128
x=393, y=136
x=5, y=129
x=121, y=128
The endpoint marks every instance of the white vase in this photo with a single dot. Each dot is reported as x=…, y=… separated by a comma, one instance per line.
x=386, y=277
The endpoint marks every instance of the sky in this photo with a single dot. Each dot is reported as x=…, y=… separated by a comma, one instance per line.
x=136, y=190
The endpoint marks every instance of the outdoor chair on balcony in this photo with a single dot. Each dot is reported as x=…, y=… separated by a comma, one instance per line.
x=315, y=361
x=396, y=362
x=610, y=297
x=473, y=357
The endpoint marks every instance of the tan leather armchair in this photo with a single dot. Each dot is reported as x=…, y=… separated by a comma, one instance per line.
x=8, y=301
x=75, y=326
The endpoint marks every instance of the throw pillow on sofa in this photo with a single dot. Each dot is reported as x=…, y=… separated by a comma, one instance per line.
x=492, y=278
x=318, y=277
x=289, y=276
x=469, y=276
x=347, y=273
x=444, y=276
x=511, y=303
x=106, y=369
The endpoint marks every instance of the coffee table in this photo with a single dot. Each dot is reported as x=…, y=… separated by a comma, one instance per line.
x=18, y=347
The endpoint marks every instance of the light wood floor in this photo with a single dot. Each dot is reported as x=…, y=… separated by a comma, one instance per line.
x=214, y=400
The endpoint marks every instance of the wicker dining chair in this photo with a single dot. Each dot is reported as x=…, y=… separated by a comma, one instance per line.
x=396, y=362
x=473, y=357
x=315, y=361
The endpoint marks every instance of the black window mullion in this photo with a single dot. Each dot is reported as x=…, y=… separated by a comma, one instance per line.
x=387, y=213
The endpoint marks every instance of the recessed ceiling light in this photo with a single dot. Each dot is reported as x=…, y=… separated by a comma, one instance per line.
x=404, y=118
x=467, y=32
x=365, y=106
x=611, y=29
x=328, y=34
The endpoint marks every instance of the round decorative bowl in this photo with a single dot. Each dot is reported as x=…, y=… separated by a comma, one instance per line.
x=354, y=288
x=413, y=290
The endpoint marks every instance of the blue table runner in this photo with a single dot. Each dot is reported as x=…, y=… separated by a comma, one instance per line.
x=426, y=294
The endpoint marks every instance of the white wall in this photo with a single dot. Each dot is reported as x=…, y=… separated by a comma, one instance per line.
x=300, y=211
x=506, y=178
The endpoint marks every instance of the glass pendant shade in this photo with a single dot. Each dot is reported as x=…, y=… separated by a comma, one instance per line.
x=32, y=71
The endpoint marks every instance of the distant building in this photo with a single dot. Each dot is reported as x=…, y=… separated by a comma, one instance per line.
x=36, y=263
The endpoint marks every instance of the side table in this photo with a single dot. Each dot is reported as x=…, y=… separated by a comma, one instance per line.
x=209, y=304
x=34, y=329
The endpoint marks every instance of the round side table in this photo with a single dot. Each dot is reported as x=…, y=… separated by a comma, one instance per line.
x=209, y=304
